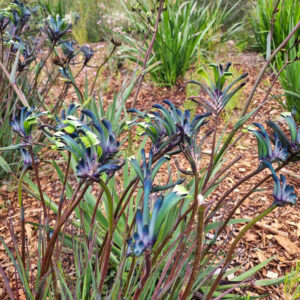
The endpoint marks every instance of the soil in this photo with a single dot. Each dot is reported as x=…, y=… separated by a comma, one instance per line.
x=277, y=235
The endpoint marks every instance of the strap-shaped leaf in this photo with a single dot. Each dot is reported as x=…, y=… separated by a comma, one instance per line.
x=293, y=128
x=266, y=138
x=283, y=138
x=158, y=165
x=169, y=202
x=137, y=168
x=262, y=148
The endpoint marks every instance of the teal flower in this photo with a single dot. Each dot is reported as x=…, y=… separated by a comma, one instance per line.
x=145, y=237
x=166, y=122
x=147, y=174
x=26, y=157
x=215, y=88
x=293, y=144
x=56, y=28
x=24, y=123
x=68, y=50
x=88, y=53
x=265, y=151
x=148, y=228
x=283, y=193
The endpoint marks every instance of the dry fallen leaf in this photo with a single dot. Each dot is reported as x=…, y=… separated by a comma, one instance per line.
x=28, y=229
x=261, y=257
x=289, y=246
x=250, y=237
x=298, y=230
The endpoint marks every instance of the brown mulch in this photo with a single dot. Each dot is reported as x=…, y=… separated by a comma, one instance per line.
x=277, y=234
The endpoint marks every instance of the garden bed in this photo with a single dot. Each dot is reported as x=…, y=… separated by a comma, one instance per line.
x=276, y=235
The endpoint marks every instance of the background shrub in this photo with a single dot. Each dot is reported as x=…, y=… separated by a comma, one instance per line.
x=185, y=27
x=286, y=17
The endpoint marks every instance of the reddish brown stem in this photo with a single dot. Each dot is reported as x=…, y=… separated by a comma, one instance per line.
x=145, y=276
x=49, y=250
x=197, y=259
x=142, y=74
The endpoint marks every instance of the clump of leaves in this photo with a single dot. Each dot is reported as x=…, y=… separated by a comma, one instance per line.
x=147, y=229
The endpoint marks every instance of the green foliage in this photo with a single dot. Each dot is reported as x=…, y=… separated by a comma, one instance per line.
x=289, y=80
x=106, y=248
x=86, y=29
x=131, y=227
x=24, y=55
x=285, y=19
x=85, y=15
x=292, y=283
x=185, y=27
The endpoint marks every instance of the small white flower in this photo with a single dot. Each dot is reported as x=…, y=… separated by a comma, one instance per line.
x=200, y=199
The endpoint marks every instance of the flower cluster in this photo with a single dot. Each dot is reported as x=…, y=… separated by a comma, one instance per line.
x=145, y=237
x=218, y=93
x=284, y=148
x=265, y=152
x=148, y=229
x=167, y=122
x=24, y=123
x=19, y=15
x=93, y=151
x=283, y=193
x=56, y=28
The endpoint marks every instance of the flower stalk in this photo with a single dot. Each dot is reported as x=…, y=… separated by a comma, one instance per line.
x=233, y=246
x=22, y=214
x=51, y=243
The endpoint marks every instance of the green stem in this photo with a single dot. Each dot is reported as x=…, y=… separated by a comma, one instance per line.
x=110, y=217
x=233, y=246
x=37, y=177
x=51, y=243
x=22, y=214
x=198, y=256
x=110, y=205
x=42, y=64
x=145, y=276
x=100, y=67
x=213, y=149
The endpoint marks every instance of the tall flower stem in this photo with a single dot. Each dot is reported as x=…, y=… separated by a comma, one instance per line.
x=198, y=257
x=228, y=192
x=110, y=217
x=143, y=73
x=233, y=246
x=35, y=82
x=22, y=214
x=213, y=148
x=145, y=275
x=100, y=67
x=36, y=171
x=50, y=246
